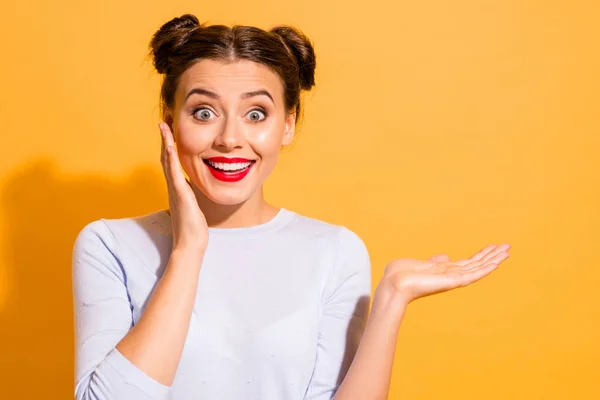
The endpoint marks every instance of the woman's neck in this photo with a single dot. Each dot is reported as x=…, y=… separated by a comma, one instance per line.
x=254, y=211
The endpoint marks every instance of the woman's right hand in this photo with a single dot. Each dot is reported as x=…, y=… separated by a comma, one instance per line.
x=410, y=279
x=190, y=230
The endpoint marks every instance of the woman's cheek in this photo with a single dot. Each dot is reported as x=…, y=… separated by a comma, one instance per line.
x=268, y=142
x=192, y=142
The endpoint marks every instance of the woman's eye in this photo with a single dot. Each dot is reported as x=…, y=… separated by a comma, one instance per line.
x=203, y=114
x=256, y=115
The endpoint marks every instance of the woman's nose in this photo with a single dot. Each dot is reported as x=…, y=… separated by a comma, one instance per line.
x=231, y=136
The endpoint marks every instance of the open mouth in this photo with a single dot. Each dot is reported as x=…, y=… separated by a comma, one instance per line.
x=229, y=169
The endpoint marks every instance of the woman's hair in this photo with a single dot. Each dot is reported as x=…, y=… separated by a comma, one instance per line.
x=183, y=41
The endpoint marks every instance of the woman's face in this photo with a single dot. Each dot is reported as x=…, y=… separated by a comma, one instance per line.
x=229, y=123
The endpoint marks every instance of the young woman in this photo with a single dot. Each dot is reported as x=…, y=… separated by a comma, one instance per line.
x=225, y=296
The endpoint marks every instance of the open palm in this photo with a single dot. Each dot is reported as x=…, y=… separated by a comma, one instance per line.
x=416, y=278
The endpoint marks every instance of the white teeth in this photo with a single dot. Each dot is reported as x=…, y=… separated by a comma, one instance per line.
x=229, y=166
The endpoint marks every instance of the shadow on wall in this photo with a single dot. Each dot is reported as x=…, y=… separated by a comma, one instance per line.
x=44, y=211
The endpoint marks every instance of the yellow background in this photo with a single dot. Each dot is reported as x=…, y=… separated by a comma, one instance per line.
x=436, y=126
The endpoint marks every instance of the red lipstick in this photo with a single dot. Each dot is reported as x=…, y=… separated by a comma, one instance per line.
x=228, y=175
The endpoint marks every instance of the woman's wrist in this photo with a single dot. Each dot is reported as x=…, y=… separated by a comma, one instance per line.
x=187, y=255
x=387, y=299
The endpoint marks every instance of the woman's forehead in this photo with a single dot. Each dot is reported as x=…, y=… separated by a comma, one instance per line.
x=229, y=78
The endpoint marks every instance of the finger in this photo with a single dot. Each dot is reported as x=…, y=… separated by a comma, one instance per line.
x=168, y=134
x=503, y=248
x=468, y=277
x=164, y=155
x=484, y=255
x=439, y=258
x=175, y=170
x=168, y=143
x=166, y=167
x=496, y=259
x=162, y=143
x=478, y=256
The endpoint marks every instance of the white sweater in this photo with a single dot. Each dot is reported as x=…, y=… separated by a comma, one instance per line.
x=279, y=312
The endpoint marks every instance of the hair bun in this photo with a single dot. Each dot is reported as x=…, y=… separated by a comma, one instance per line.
x=169, y=38
x=184, y=22
x=303, y=51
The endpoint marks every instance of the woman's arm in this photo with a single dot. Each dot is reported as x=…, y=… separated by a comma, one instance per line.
x=404, y=281
x=115, y=360
x=156, y=342
x=371, y=370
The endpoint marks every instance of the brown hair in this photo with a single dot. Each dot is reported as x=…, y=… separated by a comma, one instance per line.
x=183, y=41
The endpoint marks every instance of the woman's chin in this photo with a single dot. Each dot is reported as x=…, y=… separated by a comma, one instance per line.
x=226, y=196
x=228, y=200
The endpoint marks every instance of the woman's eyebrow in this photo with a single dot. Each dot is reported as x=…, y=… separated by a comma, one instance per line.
x=215, y=96
x=258, y=93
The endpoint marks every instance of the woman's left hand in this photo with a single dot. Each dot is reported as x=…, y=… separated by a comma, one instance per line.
x=410, y=279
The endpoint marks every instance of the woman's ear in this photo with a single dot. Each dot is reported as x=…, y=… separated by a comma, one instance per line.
x=290, y=127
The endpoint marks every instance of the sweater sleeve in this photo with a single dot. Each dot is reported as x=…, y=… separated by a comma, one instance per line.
x=103, y=316
x=345, y=310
